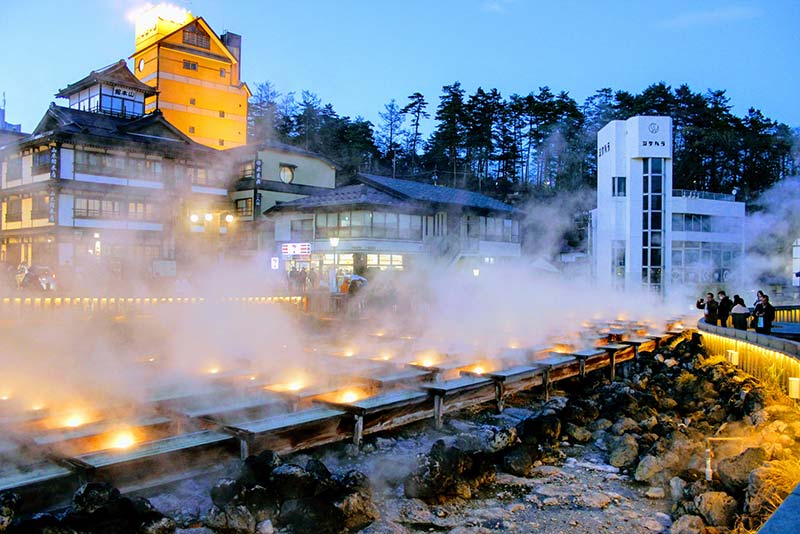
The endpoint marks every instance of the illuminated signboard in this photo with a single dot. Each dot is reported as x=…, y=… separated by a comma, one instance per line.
x=293, y=249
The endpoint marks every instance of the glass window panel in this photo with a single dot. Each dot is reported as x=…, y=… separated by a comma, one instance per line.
x=385, y=259
x=655, y=203
x=372, y=260
x=645, y=238
x=646, y=166
x=645, y=202
x=655, y=184
x=397, y=259
x=655, y=256
x=645, y=185
x=656, y=220
x=655, y=239
x=645, y=224
x=677, y=222
x=656, y=166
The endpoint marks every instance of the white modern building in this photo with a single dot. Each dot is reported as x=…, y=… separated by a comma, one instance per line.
x=645, y=234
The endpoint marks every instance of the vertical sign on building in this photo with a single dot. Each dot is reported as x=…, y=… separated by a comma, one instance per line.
x=257, y=166
x=51, y=203
x=53, y=162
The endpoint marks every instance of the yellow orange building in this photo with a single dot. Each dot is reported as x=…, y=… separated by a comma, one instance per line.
x=196, y=74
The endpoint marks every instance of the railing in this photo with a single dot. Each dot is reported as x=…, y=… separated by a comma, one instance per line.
x=686, y=193
x=787, y=314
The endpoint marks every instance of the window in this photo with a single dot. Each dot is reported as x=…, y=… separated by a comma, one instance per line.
x=244, y=207
x=94, y=208
x=14, y=210
x=302, y=230
x=192, y=101
x=287, y=173
x=222, y=72
x=222, y=142
x=191, y=129
x=41, y=161
x=189, y=65
x=41, y=206
x=221, y=114
x=194, y=35
x=618, y=184
x=14, y=169
x=361, y=224
x=142, y=211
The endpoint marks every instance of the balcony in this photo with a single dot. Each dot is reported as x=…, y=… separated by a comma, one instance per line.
x=686, y=193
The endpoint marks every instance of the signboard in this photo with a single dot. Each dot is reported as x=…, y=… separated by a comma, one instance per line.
x=51, y=204
x=292, y=249
x=275, y=263
x=257, y=171
x=53, y=162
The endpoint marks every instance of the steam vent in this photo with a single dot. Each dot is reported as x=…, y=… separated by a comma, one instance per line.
x=227, y=311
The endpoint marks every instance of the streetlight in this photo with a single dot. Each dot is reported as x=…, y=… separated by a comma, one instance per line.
x=209, y=217
x=332, y=278
x=476, y=272
x=194, y=218
x=229, y=218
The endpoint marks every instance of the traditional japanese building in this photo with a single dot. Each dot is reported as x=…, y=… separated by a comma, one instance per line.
x=100, y=186
x=195, y=73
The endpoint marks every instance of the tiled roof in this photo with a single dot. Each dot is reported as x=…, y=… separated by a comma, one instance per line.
x=117, y=73
x=436, y=194
x=350, y=195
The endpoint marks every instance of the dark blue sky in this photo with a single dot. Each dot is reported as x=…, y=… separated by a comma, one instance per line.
x=359, y=54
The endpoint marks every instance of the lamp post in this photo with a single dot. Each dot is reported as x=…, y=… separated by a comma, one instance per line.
x=332, y=279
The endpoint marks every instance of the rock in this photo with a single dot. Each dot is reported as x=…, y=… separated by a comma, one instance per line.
x=257, y=469
x=580, y=411
x=687, y=524
x=518, y=461
x=384, y=527
x=94, y=495
x=441, y=472
x=225, y=491
x=601, y=425
x=648, y=468
x=717, y=508
x=233, y=519
x=261, y=502
x=676, y=488
x=196, y=530
x=539, y=430
x=593, y=499
x=623, y=425
x=384, y=443
x=292, y=482
x=265, y=527
x=9, y=507
x=38, y=523
x=734, y=473
x=487, y=439
x=655, y=492
x=624, y=452
x=310, y=516
x=162, y=525
x=652, y=525
x=577, y=433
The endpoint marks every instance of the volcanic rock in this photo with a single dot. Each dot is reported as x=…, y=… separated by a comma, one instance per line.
x=623, y=425
x=292, y=482
x=537, y=430
x=232, y=519
x=93, y=496
x=625, y=451
x=225, y=491
x=734, y=473
x=687, y=524
x=9, y=507
x=518, y=461
x=578, y=433
x=257, y=469
x=676, y=488
x=717, y=508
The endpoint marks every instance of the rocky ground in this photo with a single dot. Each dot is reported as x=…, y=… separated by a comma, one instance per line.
x=629, y=457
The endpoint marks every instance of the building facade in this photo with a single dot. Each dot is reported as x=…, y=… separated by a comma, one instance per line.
x=381, y=224
x=195, y=73
x=645, y=234
x=101, y=188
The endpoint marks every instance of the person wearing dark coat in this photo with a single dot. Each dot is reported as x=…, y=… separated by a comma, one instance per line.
x=724, y=309
x=709, y=307
x=764, y=315
x=739, y=313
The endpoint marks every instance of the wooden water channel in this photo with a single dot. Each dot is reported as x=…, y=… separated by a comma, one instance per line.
x=181, y=434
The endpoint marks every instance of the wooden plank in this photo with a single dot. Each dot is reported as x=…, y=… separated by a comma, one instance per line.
x=288, y=421
x=554, y=359
x=613, y=347
x=405, y=376
x=586, y=353
x=378, y=403
x=518, y=372
x=456, y=385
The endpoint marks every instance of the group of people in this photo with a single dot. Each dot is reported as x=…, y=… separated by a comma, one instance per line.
x=302, y=280
x=737, y=313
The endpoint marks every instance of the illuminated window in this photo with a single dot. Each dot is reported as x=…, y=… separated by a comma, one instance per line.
x=287, y=173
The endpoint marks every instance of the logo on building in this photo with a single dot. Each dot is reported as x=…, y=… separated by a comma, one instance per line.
x=653, y=128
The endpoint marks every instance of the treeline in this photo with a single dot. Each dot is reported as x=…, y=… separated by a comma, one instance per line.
x=531, y=145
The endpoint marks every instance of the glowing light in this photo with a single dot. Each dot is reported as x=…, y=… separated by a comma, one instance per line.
x=151, y=359
x=208, y=217
x=251, y=378
x=513, y=345
x=229, y=218
x=478, y=370
x=5, y=397
x=383, y=357
x=148, y=14
x=296, y=385
x=194, y=217
x=37, y=407
x=74, y=421
x=348, y=353
x=349, y=396
x=123, y=439
x=213, y=371
x=380, y=334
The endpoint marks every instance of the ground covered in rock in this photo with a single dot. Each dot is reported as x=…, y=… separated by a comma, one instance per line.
x=628, y=456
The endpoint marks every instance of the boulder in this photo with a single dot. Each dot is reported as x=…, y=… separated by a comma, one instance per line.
x=257, y=469
x=577, y=433
x=717, y=508
x=648, y=468
x=625, y=451
x=225, y=491
x=676, y=488
x=292, y=482
x=9, y=507
x=687, y=524
x=623, y=425
x=518, y=461
x=487, y=439
x=538, y=430
x=734, y=473
x=232, y=519
x=92, y=496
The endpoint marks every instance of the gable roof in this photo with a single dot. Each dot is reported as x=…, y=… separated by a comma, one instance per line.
x=197, y=20
x=279, y=146
x=117, y=73
x=151, y=128
x=435, y=194
x=398, y=194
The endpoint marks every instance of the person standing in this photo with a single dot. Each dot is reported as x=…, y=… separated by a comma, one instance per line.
x=313, y=280
x=759, y=294
x=739, y=313
x=723, y=308
x=764, y=314
x=709, y=307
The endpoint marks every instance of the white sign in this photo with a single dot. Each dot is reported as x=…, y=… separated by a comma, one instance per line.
x=275, y=263
x=292, y=249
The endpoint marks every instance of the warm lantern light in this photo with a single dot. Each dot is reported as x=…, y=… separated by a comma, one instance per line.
x=229, y=218
x=122, y=440
x=476, y=272
x=74, y=420
x=5, y=397
x=349, y=396
x=478, y=370
x=296, y=385
x=732, y=356
x=334, y=241
x=209, y=217
x=794, y=387
x=194, y=217
x=213, y=370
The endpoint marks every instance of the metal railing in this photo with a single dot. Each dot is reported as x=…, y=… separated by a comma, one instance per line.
x=687, y=193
